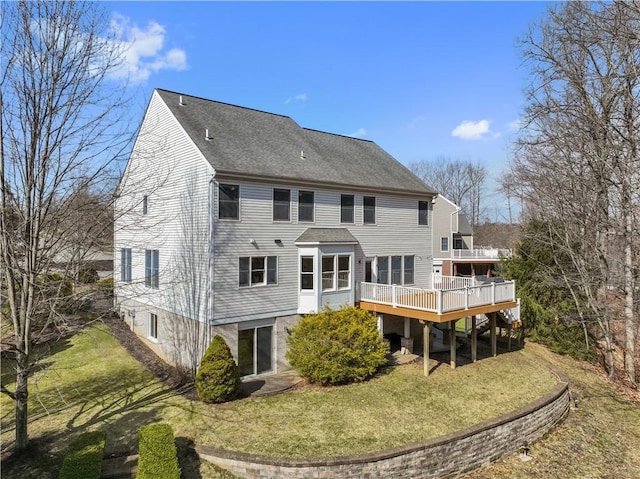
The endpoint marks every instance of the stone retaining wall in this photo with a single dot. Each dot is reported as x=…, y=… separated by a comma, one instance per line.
x=443, y=457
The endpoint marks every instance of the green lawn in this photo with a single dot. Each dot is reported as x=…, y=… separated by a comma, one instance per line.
x=92, y=383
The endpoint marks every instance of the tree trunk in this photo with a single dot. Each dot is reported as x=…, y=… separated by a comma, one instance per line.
x=630, y=320
x=21, y=398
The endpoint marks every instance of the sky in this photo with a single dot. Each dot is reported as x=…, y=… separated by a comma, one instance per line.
x=424, y=80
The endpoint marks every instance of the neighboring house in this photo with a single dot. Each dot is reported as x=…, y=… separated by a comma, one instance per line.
x=454, y=253
x=235, y=222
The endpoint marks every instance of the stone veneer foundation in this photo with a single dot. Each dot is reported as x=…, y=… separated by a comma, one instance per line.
x=444, y=457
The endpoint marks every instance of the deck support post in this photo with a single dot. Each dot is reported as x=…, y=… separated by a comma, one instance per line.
x=509, y=332
x=407, y=327
x=380, y=325
x=474, y=339
x=452, y=343
x=494, y=345
x=426, y=337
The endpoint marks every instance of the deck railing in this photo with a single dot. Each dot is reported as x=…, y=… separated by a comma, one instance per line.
x=452, y=282
x=437, y=300
x=483, y=253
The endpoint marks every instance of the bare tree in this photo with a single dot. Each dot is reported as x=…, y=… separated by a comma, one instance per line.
x=460, y=181
x=59, y=136
x=577, y=161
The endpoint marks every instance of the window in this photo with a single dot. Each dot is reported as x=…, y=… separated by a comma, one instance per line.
x=125, y=264
x=369, y=212
x=228, y=202
x=153, y=326
x=383, y=269
x=151, y=268
x=281, y=204
x=306, y=272
x=458, y=243
x=423, y=212
x=346, y=208
x=444, y=243
x=344, y=272
x=145, y=204
x=305, y=206
x=401, y=272
x=257, y=270
x=328, y=273
x=396, y=270
x=408, y=269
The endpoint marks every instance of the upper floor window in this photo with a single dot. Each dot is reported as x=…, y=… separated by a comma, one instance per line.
x=281, y=204
x=444, y=243
x=152, y=268
x=306, y=272
x=458, y=243
x=369, y=210
x=257, y=270
x=305, y=206
x=346, y=208
x=228, y=201
x=145, y=204
x=423, y=212
x=125, y=264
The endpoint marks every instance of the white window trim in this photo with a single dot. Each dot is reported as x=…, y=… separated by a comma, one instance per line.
x=239, y=202
x=390, y=269
x=313, y=207
x=150, y=336
x=335, y=273
x=375, y=211
x=273, y=205
x=266, y=272
x=447, y=248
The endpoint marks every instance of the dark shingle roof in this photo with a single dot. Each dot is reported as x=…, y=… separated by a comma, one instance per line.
x=251, y=142
x=326, y=235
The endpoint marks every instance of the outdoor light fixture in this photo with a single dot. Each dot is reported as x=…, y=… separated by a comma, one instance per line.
x=278, y=242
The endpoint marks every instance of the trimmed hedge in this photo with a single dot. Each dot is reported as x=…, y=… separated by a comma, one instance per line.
x=337, y=347
x=84, y=457
x=157, y=453
x=218, y=376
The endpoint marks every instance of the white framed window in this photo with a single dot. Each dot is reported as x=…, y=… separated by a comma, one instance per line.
x=408, y=269
x=306, y=201
x=281, y=204
x=336, y=272
x=458, y=243
x=396, y=269
x=125, y=264
x=444, y=243
x=228, y=201
x=383, y=269
x=346, y=208
x=152, y=268
x=369, y=210
x=306, y=273
x=153, y=326
x=257, y=270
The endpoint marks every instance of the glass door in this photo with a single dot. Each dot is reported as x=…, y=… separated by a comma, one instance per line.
x=255, y=348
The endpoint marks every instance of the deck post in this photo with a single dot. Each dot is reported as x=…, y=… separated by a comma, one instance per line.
x=509, y=332
x=474, y=339
x=380, y=325
x=407, y=327
x=494, y=345
x=452, y=342
x=426, y=336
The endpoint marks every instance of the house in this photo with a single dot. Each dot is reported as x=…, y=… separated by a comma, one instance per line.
x=454, y=253
x=235, y=222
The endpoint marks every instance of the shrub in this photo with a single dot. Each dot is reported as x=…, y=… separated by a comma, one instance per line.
x=336, y=347
x=218, y=376
x=157, y=453
x=88, y=276
x=105, y=286
x=84, y=457
x=55, y=285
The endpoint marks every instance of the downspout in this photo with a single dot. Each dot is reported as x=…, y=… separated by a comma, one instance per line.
x=211, y=259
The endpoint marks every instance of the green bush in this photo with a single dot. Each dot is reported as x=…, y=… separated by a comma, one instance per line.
x=337, y=347
x=157, y=453
x=218, y=376
x=105, y=286
x=88, y=276
x=84, y=457
x=55, y=285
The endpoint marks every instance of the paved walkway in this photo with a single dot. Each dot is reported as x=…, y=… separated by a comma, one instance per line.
x=270, y=384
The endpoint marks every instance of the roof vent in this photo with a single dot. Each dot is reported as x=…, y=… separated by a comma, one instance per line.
x=207, y=136
x=302, y=157
x=182, y=103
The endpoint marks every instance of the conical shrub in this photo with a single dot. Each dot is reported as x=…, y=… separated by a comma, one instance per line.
x=218, y=376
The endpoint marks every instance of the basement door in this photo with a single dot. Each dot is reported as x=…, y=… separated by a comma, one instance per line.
x=255, y=350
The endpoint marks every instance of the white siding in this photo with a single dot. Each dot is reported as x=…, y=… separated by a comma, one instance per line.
x=396, y=232
x=167, y=168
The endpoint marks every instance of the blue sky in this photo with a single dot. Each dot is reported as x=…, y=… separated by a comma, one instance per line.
x=421, y=79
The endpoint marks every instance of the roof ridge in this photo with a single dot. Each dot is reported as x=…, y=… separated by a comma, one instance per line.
x=225, y=103
x=337, y=134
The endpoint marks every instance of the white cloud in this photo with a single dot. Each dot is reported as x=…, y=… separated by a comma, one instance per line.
x=142, y=50
x=514, y=125
x=358, y=133
x=298, y=97
x=469, y=130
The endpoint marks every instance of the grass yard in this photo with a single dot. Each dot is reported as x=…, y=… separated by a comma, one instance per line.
x=92, y=383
